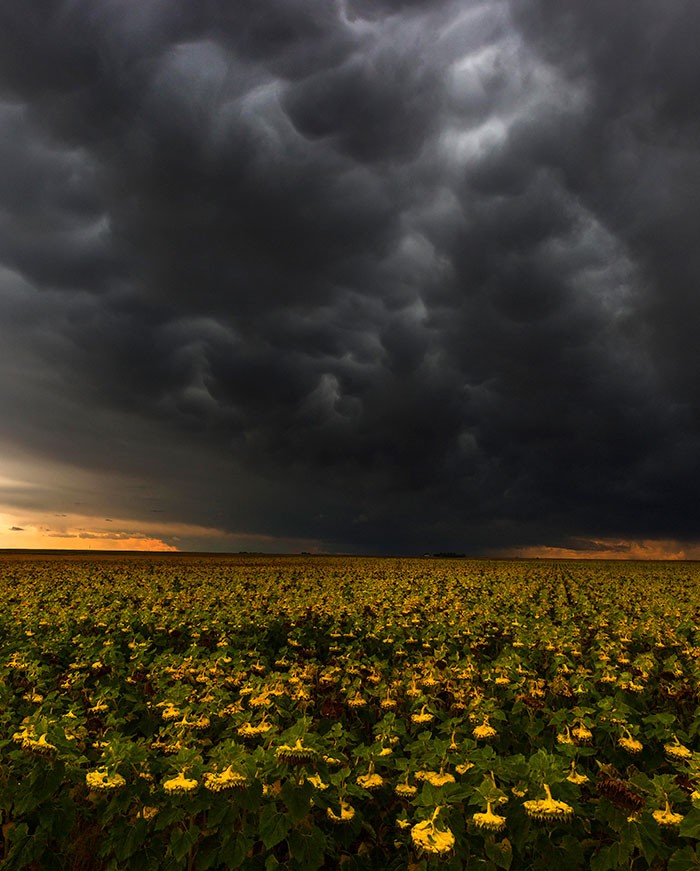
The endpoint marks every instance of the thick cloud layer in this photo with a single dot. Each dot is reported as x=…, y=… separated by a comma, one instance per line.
x=393, y=276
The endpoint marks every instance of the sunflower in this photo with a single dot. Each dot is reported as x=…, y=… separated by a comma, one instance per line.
x=423, y=717
x=576, y=778
x=101, y=780
x=630, y=744
x=430, y=839
x=677, y=752
x=40, y=746
x=582, y=734
x=370, y=780
x=484, y=732
x=299, y=754
x=440, y=778
x=549, y=810
x=216, y=781
x=489, y=820
x=180, y=784
x=347, y=812
x=666, y=817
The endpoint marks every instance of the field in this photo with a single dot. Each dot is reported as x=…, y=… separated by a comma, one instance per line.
x=188, y=712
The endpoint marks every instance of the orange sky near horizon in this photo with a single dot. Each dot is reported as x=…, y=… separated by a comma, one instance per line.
x=45, y=531
x=619, y=549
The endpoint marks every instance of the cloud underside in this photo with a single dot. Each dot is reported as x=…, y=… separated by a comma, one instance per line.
x=386, y=276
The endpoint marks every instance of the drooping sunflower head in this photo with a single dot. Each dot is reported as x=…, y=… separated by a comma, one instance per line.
x=102, y=781
x=299, y=754
x=429, y=838
x=484, y=732
x=548, y=810
x=489, y=821
x=405, y=790
x=180, y=785
x=216, y=781
x=347, y=812
x=677, y=752
x=630, y=744
x=667, y=817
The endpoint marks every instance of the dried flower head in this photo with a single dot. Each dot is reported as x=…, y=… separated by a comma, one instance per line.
x=347, y=812
x=667, y=817
x=489, y=821
x=102, y=781
x=630, y=744
x=299, y=754
x=179, y=784
x=548, y=810
x=216, y=781
x=427, y=837
x=484, y=732
x=677, y=752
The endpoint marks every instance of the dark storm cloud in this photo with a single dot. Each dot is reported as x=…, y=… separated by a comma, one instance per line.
x=395, y=275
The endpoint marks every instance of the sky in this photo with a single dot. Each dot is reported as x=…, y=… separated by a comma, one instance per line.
x=356, y=276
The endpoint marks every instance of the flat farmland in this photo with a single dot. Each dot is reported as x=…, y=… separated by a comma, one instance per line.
x=210, y=712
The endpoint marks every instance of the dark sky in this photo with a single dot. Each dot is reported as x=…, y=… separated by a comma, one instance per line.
x=355, y=275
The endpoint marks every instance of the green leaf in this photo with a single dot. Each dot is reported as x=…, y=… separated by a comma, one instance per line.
x=649, y=837
x=500, y=853
x=182, y=842
x=207, y=854
x=690, y=827
x=308, y=849
x=234, y=850
x=297, y=799
x=683, y=860
x=609, y=858
x=273, y=826
x=135, y=836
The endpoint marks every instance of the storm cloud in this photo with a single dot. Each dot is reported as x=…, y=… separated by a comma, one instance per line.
x=386, y=276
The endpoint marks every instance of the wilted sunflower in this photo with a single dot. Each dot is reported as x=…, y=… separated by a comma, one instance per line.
x=430, y=839
x=370, y=781
x=40, y=746
x=405, y=790
x=216, y=781
x=576, y=778
x=316, y=782
x=630, y=744
x=667, y=817
x=347, y=812
x=677, y=752
x=299, y=754
x=102, y=781
x=440, y=778
x=180, y=784
x=549, y=810
x=565, y=736
x=489, y=820
x=423, y=717
x=484, y=732
x=582, y=734
x=249, y=730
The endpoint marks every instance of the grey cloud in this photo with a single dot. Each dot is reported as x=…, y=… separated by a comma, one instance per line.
x=427, y=264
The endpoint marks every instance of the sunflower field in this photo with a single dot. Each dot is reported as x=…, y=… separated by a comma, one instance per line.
x=203, y=712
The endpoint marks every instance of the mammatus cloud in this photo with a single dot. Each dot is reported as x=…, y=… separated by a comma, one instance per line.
x=387, y=276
